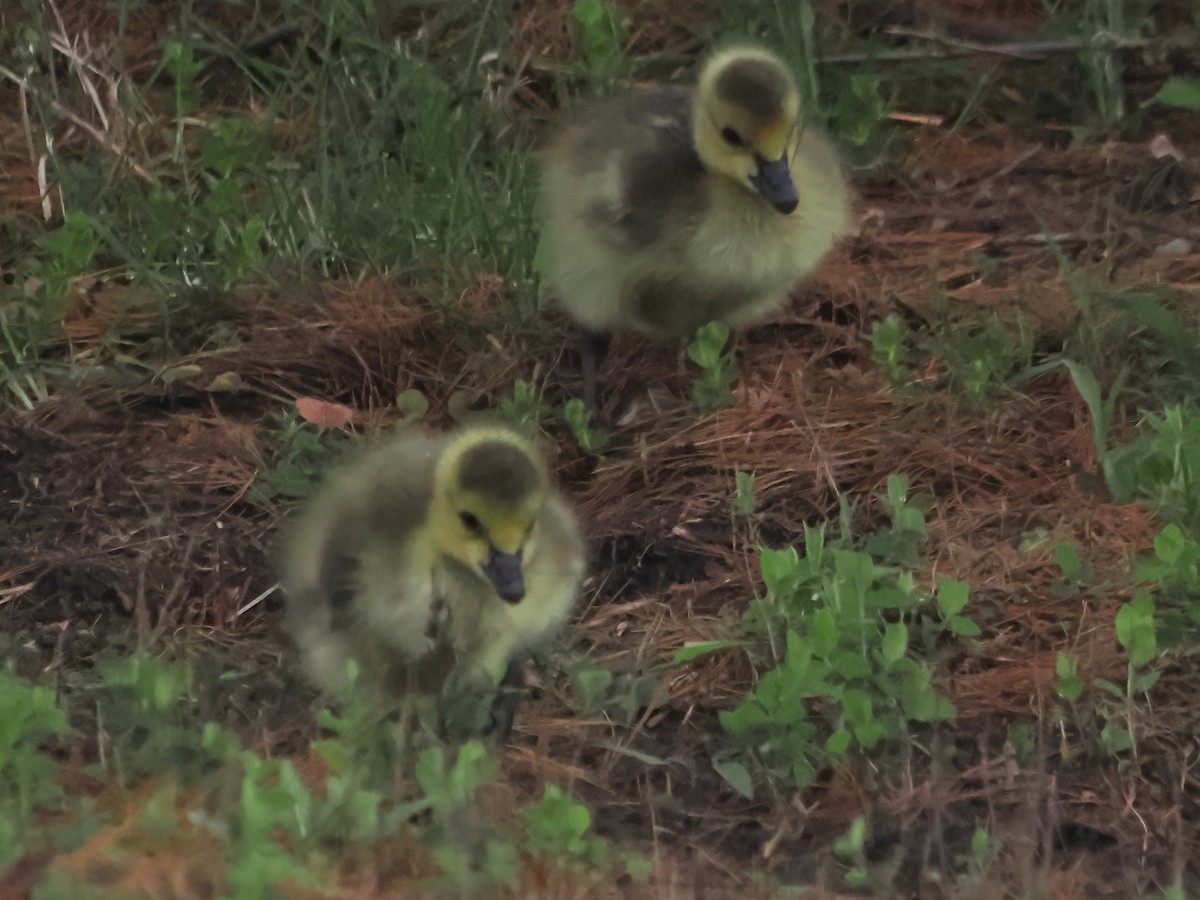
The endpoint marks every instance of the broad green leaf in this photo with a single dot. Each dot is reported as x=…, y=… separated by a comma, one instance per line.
x=1145, y=647
x=964, y=626
x=856, y=706
x=895, y=642
x=412, y=404
x=1067, y=558
x=822, y=633
x=980, y=842
x=1179, y=91
x=1089, y=389
x=838, y=742
x=1169, y=544
x=780, y=570
x=850, y=664
x=1069, y=685
x=1145, y=681
x=592, y=682
x=737, y=776
x=917, y=696
x=1116, y=737
x=803, y=772
x=868, y=733
x=943, y=710
x=850, y=843
x=952, y=596
x=745, y=718
x=688, y=652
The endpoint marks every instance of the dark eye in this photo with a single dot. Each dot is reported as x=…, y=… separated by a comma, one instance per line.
x=732, y=137
x=470, y=522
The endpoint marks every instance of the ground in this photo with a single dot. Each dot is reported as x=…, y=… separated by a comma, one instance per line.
x=142, y=509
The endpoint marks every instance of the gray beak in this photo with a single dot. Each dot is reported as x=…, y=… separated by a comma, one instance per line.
x=504, y=572
x=774, y=183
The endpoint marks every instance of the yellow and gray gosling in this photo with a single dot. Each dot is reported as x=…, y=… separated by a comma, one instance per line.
x=433, y=562
x=670, y=207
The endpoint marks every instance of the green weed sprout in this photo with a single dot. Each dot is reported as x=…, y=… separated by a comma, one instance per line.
x=842, y=623
x=1135, y=629
x=602, y=35
x=523, y=409
x=859, y=112
x=413, y=405
x=558, y=828
x=1175, y=569
x=1068, y=684
x=592, y=439
x=28, y=715
x=597, y=691
x=471, y=860
x=902, y=542
x=145, y=706
x=30, y=312
x=1075, y=572
x=273, y=799
x=850, y=848
x=889, y=339
x=300, y=455
x=711, y=391
x=744, y=500
x=839, y=671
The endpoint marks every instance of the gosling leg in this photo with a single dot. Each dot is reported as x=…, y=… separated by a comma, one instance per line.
x=592, y=350
x=507, y=699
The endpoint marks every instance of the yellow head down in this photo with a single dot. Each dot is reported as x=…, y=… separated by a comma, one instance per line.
x=489, y=487
x=746, y=122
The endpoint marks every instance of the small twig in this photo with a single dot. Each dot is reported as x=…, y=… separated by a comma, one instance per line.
x=1024, y=50
x=12, y=593
x=257, y=600
x=917, y=118
x=1037, y=240
x=175, y=594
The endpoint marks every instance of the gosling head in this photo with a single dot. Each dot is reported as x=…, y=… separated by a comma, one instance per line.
x=746, y=122
x=489, y=487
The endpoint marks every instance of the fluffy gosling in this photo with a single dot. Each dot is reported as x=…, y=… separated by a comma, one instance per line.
x=670, y=207
x=431, y=562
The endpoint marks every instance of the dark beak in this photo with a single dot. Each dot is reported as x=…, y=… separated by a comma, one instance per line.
x=504, y=572
x=774, y=183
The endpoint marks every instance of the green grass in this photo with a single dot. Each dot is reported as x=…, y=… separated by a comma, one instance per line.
x=364, y=158
x=273, y=828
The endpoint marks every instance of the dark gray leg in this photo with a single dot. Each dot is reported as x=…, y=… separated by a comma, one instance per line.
x=593, y=347
x=508, y=698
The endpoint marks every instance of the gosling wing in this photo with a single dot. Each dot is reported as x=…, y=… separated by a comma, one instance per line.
x=354, y=587
x=627, y=170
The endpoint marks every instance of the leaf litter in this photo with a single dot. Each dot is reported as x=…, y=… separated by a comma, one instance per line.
x=128, y=519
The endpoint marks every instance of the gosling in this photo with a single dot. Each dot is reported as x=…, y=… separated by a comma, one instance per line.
x=434, y=563
x=670, y=207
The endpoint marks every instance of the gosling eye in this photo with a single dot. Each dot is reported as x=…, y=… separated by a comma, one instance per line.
x=471, y=523
x=732, y=138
